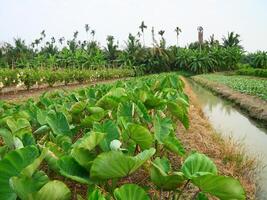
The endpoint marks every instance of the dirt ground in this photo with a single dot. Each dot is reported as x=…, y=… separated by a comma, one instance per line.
x=227, y=154
x=255, y=107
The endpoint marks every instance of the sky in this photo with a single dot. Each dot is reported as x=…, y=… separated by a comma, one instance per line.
x=27, y=18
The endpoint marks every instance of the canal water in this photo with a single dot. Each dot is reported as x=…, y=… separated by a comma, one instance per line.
x=230, y=121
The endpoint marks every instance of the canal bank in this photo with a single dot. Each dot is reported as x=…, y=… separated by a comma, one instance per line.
x=230, y=122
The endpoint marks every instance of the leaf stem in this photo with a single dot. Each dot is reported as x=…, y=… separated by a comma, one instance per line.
x=181, y=192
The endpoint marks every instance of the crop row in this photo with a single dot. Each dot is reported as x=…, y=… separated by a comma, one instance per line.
x=32, y=77
x=101, y=138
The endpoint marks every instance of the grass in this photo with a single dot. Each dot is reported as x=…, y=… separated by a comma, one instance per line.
x=244, y=84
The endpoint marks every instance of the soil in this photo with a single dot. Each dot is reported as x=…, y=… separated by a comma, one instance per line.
x=254, y=106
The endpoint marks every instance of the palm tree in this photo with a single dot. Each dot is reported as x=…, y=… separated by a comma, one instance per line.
x=178, y=31
x=87, y=28
x=142, y=28
x=232, y=40
x=93, y=34
x=61, y=40
x=162, y=41
x=200, y=34
x=161, y=33
x=75, y=34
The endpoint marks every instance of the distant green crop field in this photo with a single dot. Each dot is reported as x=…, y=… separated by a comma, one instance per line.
x=243, y=84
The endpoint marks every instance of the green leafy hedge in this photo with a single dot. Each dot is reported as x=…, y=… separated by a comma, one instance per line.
x=252, y=72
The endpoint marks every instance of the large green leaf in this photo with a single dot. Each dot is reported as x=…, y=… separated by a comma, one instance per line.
x=223, y=187
x=71, y=169
x=162, y=128
x=173, y=144
x=140, y=135
x=130, y=192
x=55, y=190
x=162, y=176
x=30, y=169
x=7, y=137
x=89, y=141
x=58, y=123
x=25, y=187
x=198, y=163
x=77, y=107
x=112, y=133
x=19, y=127
x=94, y=193
x=88, y=121
x=180, y=112
x=115, y=164
x=11, y=165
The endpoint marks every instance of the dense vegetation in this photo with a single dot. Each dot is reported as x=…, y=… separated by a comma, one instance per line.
x=31, y=77
x=243, y=84
x=252, y=72
x=98, y=138
x=197, y=57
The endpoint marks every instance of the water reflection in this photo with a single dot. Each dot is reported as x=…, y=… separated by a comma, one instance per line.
x=229, y=121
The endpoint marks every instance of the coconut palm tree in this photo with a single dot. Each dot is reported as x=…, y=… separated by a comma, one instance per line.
x=93, y=34
x=162, y=41
x=178, y=31
x=142, y=28
x=87, y=28
x=61, y=40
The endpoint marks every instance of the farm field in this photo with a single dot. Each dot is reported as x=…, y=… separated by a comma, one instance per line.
x=244, y=84
x=110, y=132
x=133, y=100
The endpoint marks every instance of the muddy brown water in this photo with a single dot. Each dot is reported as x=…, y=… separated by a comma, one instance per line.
x=230, y=121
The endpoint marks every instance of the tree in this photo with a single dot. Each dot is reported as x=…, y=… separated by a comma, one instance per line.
x=178, y=31
x=232, y=40
x=87, y=28
x=142, y=28
x=93, y=34
x=111, y=50
x=162, y=41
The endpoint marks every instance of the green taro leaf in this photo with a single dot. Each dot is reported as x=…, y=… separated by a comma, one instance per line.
x=71, y=169
x=77, y=107
x=140, y=135
x=55, y=190
x=25, y=187
x=94, y=193
x=179, y=112
x=162, y=128
x=198, y=163
x=130, y=192
x=112, y=133
x=162, y=177
x=58, y=123
x=11, y=165
x=115, y=164
x=223, y=187
x=89, y=141
x=173, y=144
x=19, y=127
x=7, y=137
